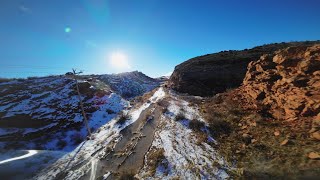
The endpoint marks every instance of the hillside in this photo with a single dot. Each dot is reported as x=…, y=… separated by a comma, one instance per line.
x=214, y=73
x=43, y=113
x=269, y=122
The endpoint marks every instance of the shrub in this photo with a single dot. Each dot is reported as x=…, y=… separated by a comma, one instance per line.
x=196, y=125
x=180, y=116
x=163, y=103
x=219, y=126
x=123, y=118
x=155, y=157
x=127, y=176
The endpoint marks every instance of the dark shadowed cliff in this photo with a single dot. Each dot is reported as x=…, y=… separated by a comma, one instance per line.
x=214, y=73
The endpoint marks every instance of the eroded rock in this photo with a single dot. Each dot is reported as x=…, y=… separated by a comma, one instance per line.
x=286, y=82
x=215, y=73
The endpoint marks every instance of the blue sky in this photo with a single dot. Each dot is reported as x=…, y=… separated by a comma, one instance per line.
x=41, y=37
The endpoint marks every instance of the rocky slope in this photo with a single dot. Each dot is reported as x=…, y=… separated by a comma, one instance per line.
x=43, y=113
x=287, y=82
x=269, y=123
x=214, y=73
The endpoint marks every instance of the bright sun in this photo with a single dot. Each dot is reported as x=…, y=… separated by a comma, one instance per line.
x=119, y=60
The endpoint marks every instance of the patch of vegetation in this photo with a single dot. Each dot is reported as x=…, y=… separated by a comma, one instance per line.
x=123, y=118
x=164, y=103
x=219, y=127
x=180, y=116
x=201, y=137
x=127, y=176
x=155, y=157
x=196, y=125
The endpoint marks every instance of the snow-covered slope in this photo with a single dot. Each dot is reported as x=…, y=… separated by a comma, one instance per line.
x=84, y=159
x=43, y=113
x=130, y=84
x=158, y=136
x=184, y=156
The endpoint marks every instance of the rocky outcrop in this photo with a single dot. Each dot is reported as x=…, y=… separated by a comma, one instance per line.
x=214, y=73
x=287, y=82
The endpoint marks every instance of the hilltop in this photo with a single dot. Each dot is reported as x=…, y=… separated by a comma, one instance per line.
x=214, y=73
x=43, y=112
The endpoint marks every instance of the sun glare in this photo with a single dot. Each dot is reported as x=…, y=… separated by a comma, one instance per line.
x=119, y=60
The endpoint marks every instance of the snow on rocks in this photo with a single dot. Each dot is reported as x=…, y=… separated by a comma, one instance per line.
x=183, y=156
x=52, y=103
x=159, y=94
x=80, y=161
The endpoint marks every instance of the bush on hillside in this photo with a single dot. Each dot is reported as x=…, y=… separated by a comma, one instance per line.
x=196, y=125
x=180, y=116
x=123, y=118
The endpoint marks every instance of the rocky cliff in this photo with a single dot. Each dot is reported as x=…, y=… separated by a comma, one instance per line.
x=214, y=73
x=287, y=82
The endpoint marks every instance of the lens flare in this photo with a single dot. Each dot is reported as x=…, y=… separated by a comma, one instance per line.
x=67, y=29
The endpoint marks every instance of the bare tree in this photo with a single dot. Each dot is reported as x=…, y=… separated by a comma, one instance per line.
x=80, y=100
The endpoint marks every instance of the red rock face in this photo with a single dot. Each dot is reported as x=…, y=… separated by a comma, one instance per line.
x=215, y=73
x=286, y=82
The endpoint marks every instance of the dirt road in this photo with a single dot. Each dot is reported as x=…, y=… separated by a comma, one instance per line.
x=128, y=154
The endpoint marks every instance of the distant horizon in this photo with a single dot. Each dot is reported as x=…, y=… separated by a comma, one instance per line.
x=166, y=74
x=42, y=37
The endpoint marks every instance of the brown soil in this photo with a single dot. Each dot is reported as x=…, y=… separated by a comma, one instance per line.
x=260, y=146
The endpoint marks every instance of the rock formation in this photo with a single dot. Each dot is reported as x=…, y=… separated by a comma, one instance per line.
x=286, y=82
x=214, y=73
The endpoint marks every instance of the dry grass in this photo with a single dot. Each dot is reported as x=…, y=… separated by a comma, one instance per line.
x=201, y=137
x=164, y=103
x=155, y=158
x=219, y=126
x=248, y=138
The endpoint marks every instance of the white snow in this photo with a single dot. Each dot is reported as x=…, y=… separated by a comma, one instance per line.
x=183, y=156
x=159, y=94
x=106, y=175
x=26, y=167
x=102, y=138
x=30, y=153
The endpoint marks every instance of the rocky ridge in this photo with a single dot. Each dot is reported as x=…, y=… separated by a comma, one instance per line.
x=214, y=73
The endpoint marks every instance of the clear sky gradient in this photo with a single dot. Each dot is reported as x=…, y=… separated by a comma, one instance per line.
x=41, y=37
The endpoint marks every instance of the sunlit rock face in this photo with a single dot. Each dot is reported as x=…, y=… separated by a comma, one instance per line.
x=214, y=73
x=286, y=82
